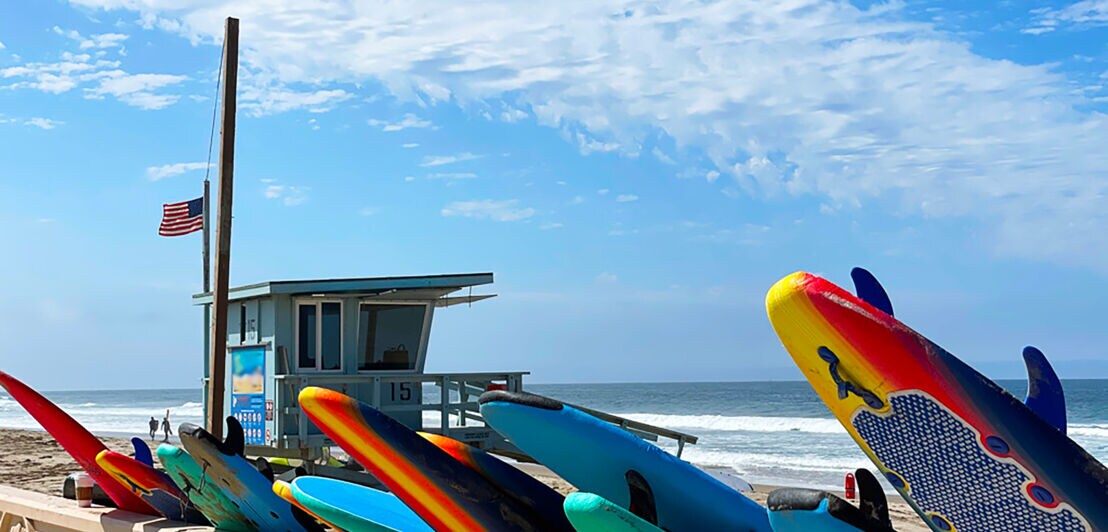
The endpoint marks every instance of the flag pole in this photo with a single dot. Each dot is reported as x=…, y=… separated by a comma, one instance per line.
x=217, y=357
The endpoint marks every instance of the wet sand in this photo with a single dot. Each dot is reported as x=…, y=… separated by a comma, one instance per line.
x=34, y=461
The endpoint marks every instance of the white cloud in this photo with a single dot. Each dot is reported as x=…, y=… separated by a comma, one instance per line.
x=439, y=160
x=43, y=123
x=607, y=278
x=2, y=45
x=1079, y=15
x=157, y=173
x=497, y=210
x=661, y=156
x=853, y=106
x=410, y=145
x=624, y=198
x=452, y=175
x=409, y=121
x=135, y=89
x=289, y=195
x=409, y=178
x=602, y=192
x=577, y=200
x=266, y=99
x=367, y=211
x=550, y=225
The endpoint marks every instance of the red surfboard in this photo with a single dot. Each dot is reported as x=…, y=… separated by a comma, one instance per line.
x=76, y=440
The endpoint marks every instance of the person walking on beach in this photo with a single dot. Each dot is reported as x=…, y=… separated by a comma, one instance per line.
x=153, y=427
x=165, y=427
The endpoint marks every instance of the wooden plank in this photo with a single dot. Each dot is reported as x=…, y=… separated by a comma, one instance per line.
x=218, y=355
x=36, y=511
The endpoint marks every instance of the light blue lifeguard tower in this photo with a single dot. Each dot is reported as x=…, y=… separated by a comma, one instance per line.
x=364, y=337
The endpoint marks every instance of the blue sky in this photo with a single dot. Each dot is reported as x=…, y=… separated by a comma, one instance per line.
x=637, y=174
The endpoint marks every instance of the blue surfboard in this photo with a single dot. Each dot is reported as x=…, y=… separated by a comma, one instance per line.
x=598, y=457
x=355, y=507
x=247, y=488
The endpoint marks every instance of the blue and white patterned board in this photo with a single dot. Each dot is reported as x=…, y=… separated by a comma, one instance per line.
x=957, y=481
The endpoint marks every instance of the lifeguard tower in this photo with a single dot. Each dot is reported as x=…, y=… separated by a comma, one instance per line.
x=364, y=337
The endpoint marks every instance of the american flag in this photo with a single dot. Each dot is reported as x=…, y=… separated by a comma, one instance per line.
x=182, y=218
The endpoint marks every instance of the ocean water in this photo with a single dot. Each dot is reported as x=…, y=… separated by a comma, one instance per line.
x=770, y=432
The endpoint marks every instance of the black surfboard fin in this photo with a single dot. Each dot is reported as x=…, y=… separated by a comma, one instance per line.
x=869, y=289
x=142, y=452
x=642, y=497
x=235, y=441
x=871, y=497
x=1045, y=396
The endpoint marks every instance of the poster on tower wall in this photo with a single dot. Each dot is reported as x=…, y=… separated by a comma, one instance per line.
x=248, y=391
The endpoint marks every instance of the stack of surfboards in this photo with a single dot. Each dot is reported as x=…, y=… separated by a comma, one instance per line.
x=960, y=450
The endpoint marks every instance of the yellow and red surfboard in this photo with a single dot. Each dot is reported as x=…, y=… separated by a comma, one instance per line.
x=447, y=494
x=965, y=453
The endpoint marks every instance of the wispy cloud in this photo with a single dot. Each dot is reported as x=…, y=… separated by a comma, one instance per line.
x=1079, y=15
x=136, y=89
x=624, y=198
x=268, y=99
x=439, y=160
x=288, y=195
x=157, y=173
x=410, y=145
x=452, y=175
x=606, y=277
x=100, y=41
x=368, y=211
x=97, y=77
x=409, y=121
x=550, y=225
x=835, y=101
x=43, y=123
x=497, y=210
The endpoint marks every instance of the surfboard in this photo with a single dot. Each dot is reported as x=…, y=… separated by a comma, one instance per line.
x=202, y=491
x=961, y=450
x=805, y=510
x=284, y=490
x=589, y=512
x=151, y=485
x=522, y=486
x=76, y=440
x=598, y=457
x=248, y=489
x=444, y=492
x=351, y=506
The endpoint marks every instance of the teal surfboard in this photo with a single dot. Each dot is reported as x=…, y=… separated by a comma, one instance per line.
x=355, y=507
x=202, y=491
x=598, y=457
x=247, y=488
x=588, y=512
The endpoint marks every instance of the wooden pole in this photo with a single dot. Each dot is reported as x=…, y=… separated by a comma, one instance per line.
x=218, y=356
x=207, y=236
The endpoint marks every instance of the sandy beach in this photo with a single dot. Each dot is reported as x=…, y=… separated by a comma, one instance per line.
x=34, y=461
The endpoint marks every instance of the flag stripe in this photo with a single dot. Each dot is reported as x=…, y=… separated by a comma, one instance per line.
x=182, y=218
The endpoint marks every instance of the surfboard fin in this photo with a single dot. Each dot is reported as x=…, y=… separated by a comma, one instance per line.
x=869, y=289
x=142, y=452
x=1044, y=391
x=235, y=441
x=871, y=497
x=642, y=497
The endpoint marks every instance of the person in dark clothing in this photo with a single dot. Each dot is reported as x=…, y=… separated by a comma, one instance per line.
x=165, y=426
x=153, y=427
